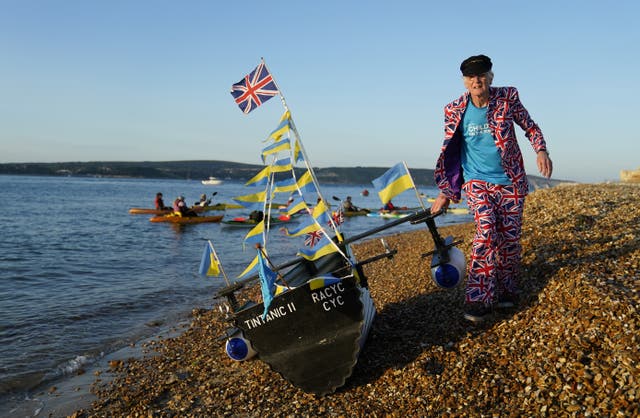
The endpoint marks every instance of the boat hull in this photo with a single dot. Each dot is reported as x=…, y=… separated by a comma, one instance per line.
x=247, y=223
x=312, y=336
x=184, y=220
x=149, y=211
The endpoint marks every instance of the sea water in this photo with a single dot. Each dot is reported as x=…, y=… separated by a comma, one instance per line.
x=80, y=277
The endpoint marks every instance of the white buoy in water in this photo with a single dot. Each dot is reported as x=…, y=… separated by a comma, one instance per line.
x=451, y=274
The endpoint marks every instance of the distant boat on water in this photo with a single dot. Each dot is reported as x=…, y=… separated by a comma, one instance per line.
x=212, y=181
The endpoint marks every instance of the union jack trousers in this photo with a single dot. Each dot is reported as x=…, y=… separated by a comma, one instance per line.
x=496, y=249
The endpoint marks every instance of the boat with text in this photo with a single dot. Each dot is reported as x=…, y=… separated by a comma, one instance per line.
x=316, y=309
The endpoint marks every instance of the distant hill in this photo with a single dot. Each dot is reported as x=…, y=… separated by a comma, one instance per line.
x=225, y=170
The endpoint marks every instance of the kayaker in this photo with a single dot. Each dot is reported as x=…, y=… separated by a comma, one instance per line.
x=203, y=201
x=256, y=215
x=348, y=205
x=159, y=203
x=180, y=207
x=389, y=207
x=480, y=156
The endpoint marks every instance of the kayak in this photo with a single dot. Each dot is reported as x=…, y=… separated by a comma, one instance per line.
x=223, y=206
x=199, y=209
x=457, y=211
x=387, y=215
x=149, y=211
x=361, y=212
x=241, y=222
x=176, y=219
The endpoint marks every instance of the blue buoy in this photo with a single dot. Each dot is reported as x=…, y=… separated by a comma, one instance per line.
x=239, y=348
x=450, y=274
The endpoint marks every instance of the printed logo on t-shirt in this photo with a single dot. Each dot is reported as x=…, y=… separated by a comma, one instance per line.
x=476, y=129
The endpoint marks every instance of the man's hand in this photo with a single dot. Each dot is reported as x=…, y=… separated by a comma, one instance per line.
x=545, y=166
x=441, y=202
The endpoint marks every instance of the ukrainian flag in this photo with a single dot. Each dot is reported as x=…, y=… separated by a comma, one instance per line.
x=281, y=165
x=305, y=183
x=261, y=178
x=297, y=153
x=252, y=201
x=319, y=217
x=256, y=235
x=322, y=281
x=275, y=148
x=282, y=128
x=251, y=268
x=395, y=181
x=297, y=205
x=209, y=265
x=285, y=185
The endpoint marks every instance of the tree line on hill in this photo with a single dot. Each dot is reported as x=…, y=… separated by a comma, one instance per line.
x=203, y=169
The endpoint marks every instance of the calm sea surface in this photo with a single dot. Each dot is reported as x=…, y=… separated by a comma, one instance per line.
x=81, y=278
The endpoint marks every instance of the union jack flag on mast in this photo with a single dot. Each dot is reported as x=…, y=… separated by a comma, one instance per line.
x=254, y=89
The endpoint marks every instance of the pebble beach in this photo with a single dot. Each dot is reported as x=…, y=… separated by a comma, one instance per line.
x=570, y=348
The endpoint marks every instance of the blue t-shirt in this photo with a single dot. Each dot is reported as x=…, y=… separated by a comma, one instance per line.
x=480, y=156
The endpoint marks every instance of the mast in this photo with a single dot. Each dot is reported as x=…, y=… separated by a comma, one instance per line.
x=305, y=157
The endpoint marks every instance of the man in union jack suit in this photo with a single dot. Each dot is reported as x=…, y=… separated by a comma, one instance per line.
x=480, y=156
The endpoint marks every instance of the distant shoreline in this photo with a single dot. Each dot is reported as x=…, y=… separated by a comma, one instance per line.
x=224, y=170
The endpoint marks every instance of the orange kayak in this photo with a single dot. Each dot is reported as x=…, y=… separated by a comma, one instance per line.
x=149, y=211
x=186, y=219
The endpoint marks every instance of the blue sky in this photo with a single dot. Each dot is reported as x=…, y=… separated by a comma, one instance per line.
x=366, y=81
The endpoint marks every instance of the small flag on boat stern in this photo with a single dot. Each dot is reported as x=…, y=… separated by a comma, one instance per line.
x=393, y=182
x=267, y=282
x=209, y=265
x=254, y=89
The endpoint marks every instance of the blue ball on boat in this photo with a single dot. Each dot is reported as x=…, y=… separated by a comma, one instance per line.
x=450, y=274
x=239, y=348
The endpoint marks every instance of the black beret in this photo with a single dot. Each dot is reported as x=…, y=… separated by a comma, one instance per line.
x=476, y=65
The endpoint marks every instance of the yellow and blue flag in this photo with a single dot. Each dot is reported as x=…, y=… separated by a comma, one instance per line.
x=267, y=283
x=256, y=235
x=297, y=205
x=305, y=183
x=251, y=268
x=209, y=265
x=281, y=165
x=319, y=218
x=322, y=281
x=260, y=179
x=393, y=182
x=285, y=185
x=297, y=153
x=282, y=129
x=252, y=201
x=276, y=147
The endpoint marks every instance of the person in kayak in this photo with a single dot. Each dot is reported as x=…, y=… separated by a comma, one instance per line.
x=159, y=203
x=203, y=201
x=256, y=215
x=348, y=205
x=480, y=156
x=180, y=207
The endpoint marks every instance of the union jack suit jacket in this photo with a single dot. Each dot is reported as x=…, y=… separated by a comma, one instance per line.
x=503, y=110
